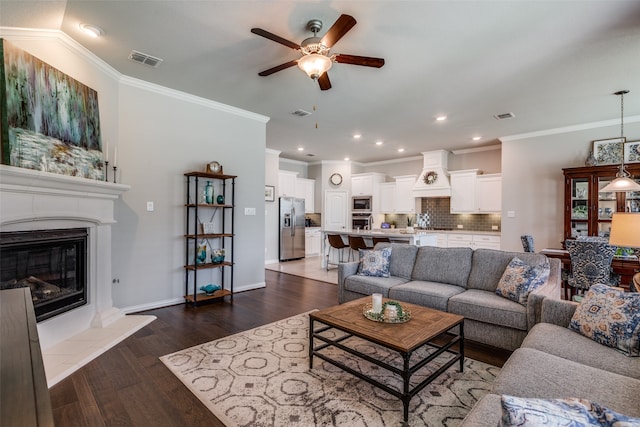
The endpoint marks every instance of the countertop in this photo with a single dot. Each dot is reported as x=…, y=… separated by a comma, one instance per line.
x=400, y=232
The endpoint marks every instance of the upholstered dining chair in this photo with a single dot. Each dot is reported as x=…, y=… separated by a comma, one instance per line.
x=527, y=243
x=356, y=243
x=590, y=264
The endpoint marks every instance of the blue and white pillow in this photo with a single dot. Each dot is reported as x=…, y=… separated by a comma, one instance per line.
x=374, y=262
x=572, y=412
x=610, y=317
x=520, y=278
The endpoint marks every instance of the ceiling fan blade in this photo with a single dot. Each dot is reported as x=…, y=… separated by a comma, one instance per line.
x=324, y=82
x=277, y=39
x=338, y=29
x=278, y=68
x=366, y=61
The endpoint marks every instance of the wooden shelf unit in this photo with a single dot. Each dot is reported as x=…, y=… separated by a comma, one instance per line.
x=193, y=235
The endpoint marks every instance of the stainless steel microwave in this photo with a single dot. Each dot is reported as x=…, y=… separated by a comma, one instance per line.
x=361, y=204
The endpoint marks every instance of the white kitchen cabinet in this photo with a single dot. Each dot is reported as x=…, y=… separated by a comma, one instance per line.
x=463, y=191
x=387, y=197
x=287, y=183
x=362, y=185
x=486, y=241
x=460, y=240
x=442, y=240
x=304, y=189
x=489, y=193
x=313, y=240
x=473, y=241
x=404, y=200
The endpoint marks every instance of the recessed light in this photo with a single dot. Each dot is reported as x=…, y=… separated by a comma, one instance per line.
x=441, y=118
x=300, y=148
x=477, y=138
x=91, y=30
x=400, y=150
x=357, y=136
x=346, y=159
x=378, y=142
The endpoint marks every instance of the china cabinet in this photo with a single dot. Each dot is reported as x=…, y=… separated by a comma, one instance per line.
x=587, y=212
x=209, y=235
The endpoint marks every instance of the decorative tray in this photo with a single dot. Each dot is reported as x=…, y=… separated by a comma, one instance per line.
x=404, y=314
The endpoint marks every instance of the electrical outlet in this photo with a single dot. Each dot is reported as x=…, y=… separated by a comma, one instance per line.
x=511, y=214
x=460, y=226
x=249, y=211
x=494, y=227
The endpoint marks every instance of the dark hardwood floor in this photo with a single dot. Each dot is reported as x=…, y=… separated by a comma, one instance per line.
x=129, y=386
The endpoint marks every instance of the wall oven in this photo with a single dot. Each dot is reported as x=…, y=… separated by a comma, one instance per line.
x=361, y=204
x=360, y=221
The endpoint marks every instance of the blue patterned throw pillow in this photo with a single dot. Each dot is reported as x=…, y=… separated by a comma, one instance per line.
x=520, y=278
x=610, y=317
x=572, y=412
x=374, y=262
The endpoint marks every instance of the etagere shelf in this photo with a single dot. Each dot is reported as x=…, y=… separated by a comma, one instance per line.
x=221, y=214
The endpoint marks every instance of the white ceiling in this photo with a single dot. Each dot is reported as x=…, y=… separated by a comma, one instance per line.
x=551, y=63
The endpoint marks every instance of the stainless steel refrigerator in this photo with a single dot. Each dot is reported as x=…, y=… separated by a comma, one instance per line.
x=291, y=228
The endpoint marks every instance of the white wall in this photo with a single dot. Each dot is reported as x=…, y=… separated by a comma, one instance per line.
x=271, y=210
x=533, y=182
x=160, y=135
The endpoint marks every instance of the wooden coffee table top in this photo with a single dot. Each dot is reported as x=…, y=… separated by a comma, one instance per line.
x=425, y=324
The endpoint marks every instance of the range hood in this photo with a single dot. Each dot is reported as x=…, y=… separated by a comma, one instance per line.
x=434, y=178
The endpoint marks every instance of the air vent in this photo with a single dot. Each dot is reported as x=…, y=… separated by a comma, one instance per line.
x=310, y=155
x=144, y=59
x=301, y=113
x=504, y=116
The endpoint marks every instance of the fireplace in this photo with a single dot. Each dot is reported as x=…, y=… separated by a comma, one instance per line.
x=52, y=263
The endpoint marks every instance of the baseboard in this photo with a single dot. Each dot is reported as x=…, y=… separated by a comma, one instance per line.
x=271, y=261
x=176, y=301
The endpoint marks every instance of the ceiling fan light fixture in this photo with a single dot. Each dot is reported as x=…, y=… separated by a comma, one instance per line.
x=315, y=65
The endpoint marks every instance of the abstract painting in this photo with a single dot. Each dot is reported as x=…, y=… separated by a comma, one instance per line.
x=608, y=151
x=49, y=121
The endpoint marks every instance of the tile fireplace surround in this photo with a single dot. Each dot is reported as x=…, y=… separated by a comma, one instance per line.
x=34, y=200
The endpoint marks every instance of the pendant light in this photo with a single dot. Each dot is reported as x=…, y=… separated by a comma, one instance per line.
x=622, y=182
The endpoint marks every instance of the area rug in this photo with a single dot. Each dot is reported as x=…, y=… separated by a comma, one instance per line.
x=261, y=377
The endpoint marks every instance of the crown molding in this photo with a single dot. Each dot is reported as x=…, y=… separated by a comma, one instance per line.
x=386, y=162
x=476, y=149
x=33, y=34
x=294, y=162
x=569, y=129
x=272, y=151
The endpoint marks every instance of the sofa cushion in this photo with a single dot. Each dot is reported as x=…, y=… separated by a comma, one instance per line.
x=489, y=308
x=428, y=294
x=519, y=279
x=523, y=412
x=488, y=265
x=403, y=257
x=443, y=265
x=485, y=413
x=367, y=285
x=374, y=262
x=610, y=317
x=563, y=342
x=533, y=373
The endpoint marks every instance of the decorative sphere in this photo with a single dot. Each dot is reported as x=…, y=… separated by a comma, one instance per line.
x=220, y=199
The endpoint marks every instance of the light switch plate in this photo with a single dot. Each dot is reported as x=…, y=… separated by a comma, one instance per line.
x=150, y=207
x=249, y=211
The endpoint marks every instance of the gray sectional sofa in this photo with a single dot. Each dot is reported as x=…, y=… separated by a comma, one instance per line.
x=457, y=280
x=555, y=362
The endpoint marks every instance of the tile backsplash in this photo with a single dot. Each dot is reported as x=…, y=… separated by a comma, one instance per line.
x=440, y=217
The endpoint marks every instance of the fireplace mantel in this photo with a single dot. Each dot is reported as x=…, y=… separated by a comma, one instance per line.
x=35, y=200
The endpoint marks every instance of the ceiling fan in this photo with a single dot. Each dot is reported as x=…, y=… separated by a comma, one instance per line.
x=316, y=59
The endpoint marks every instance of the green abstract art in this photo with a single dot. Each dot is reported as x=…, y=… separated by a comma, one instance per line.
x=49, y=121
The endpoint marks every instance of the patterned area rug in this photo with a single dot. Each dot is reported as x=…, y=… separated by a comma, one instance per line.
x=261, y=377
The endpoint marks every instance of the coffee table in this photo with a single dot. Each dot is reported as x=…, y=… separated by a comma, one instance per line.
x=426, y=325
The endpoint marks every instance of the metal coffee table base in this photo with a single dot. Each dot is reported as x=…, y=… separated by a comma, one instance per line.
x=406, y=372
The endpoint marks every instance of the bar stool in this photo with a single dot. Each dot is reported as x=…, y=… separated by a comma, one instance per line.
x=356, y=243
x=377, y=240
x=335, y=242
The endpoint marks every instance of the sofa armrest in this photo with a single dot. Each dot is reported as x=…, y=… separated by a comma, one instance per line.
x=551, y=289
x=345, y=270
x=558, y=312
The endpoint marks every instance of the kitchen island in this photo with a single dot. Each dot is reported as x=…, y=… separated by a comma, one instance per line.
x=439, y=238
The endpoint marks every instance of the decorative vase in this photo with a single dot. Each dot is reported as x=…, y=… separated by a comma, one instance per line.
x=217, y=256
x=591, y=160
x=220, y=199
x=201, y=256
x=208, y=193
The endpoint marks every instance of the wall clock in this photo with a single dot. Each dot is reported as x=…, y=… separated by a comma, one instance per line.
x=336, y=179
x=430, y=177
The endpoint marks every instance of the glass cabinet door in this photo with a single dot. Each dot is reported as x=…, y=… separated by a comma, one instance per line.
x=607, y=206
x=579, y=207
x=632, y=201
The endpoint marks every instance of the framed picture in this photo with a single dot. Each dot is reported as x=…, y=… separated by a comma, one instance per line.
x=632, y=152
x=608, y=151
x=269, y=193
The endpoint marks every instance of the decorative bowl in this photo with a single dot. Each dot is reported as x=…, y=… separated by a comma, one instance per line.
x=403, y=317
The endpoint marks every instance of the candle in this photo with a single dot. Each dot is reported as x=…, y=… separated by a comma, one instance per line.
x=390, y=312
x=115, y=156
x=106, y=151
x=376, y=303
